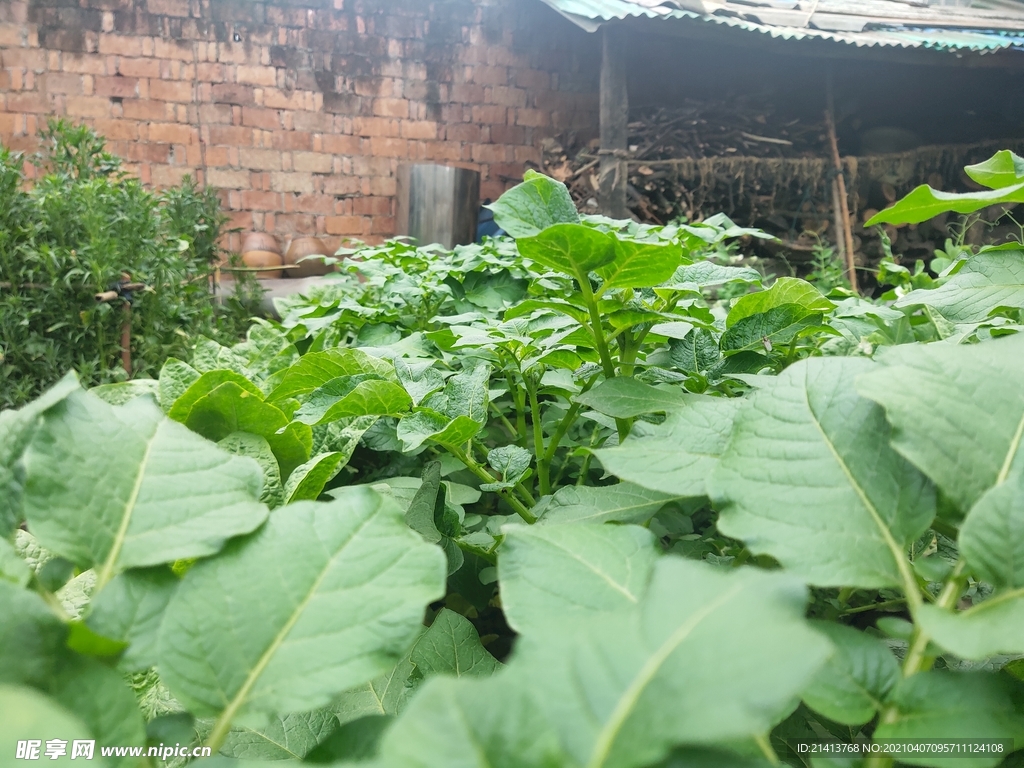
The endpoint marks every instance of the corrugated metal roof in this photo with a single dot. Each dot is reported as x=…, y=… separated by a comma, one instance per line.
x=894, y=23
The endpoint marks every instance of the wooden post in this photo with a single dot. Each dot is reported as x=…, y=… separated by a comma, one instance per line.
x=843, y=213
x=611, y=196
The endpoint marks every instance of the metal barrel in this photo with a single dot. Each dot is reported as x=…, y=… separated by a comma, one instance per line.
x=438, y=204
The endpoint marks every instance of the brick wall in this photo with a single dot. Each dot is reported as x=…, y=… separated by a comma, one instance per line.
x=300, y=111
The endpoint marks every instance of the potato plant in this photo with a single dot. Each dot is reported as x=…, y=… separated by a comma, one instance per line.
x=628, y=508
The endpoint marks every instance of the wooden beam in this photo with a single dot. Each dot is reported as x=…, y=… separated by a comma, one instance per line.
x=611, y=196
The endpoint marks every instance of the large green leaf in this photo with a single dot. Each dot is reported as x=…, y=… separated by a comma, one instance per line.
x=175, y=379
x=809, y=478
x=285, y=737
x=785, y=290
x=536, y=204
x=707, y=273
x=708, y=655
x=626, y=397
x=696, y=352
x=853, y=686
x=122, y=487
x=307, y=482
x=416, y=428
x=123, y=391
x=451, y=646
x=676, y=456
x=925, y=203
x=129, y=610
x=947, y=705
x=317, y=368
x=30, y=714
x=764, y=331
x=202, y=387
x=988, y=281
x=365, y=394
x=622, y=503
x=229, y=408
x=323, y=597
x=639, y=265
x=12, y=568
x=420, y=379
x=957, y=411
x=571, y=249
x=30, y=637
x=1003, y=169
x=258, y=449
x=567, y=572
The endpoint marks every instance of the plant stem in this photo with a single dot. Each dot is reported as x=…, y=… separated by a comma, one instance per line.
x=544, y=462
x=917, y=659
x=597, y=331
x=875, y=606
x=520, y=410
x=505, y=422
x=765, y=745
x=543, y=480
x=505, y=493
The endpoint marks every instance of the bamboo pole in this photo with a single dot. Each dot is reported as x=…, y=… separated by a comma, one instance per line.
x=840, y=185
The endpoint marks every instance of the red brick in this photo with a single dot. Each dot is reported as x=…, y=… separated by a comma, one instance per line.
x=534, y=118
x=419, y=129
x=267, y=119
x=387, y=147
x=149, y=152
x=85, y=64
x=172, y=133
x=322, y=205
x=528, y=155
x=391, y=107
x=167, y=175
x=143, y=109
x=344, y=225
x=25, y=58
x=231, y=135
x=372, y=206
x=375, y=126
x=341, y=185
x=382, y=225
x=215, y=113
x=260, y=159
x=233, y=93
x=10, y=124
x=256, y=75
x=139, y=67
x=506, y=97
x=227, y=179
x=275, y=99
x=217, y=157
x=291, y=182
x=533, y=80
x=261, y=201
x=55, y=82
x=490, y=75
x=489, y=153
x=121, y=45
x=168, y=7
x=490, y=114
x=81, y=106
x=466, y=93
x=171, y=90
x=508, y=134
x=318, y=122
x=167, y=48
x=292, y=140
x=116, y=87
x=463, y=132
x=337, y=144
x=312, y=162
x=117, y=130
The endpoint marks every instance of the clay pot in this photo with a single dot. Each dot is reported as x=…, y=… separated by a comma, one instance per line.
x=262, y=259
x=307, y=246
x=260, y=241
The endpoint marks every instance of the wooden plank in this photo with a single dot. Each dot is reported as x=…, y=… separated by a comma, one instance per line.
x=613, y=178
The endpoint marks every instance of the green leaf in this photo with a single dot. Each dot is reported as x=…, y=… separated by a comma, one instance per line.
x=809, y=478
x=765, y=331
x=625, y=397
x=1003, y=169
x=639, y=265
x=677, y=456
x=986, y=282
x=451, y=646
x=938, y=396
x=98, y=695
x=696, y=352
x=229, y=408
x=258, y=449
x=323, y=597
x=855, y=682
x=466, y=394
x=624, y=688
x=384, y=695
x=511, y=462
x=123, y=391
x=12, y=568
x=29, y=712
x=703, y=274
x=948, y=705
x=785, y=290
x=569, y=572
x=105, y=487
x=356, y=740
x=622, y=503
x=534, y=205
x=422, y=425
x=175, y=379
x=317, y=368
x=307, y=482
x=31, y=636
x=925, y=203
x=129, y=610
x=364, y=394
x=202, y=387
x=571, y=249
x=285, y=737
x=210, y=356
x=420, y=379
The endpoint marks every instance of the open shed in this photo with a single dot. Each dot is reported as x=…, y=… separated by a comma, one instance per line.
x=711, y=105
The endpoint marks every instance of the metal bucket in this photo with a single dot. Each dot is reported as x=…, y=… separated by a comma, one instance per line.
x=438, y=204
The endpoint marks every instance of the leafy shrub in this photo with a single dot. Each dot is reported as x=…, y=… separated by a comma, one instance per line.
x=81, y=226
x=647, y=527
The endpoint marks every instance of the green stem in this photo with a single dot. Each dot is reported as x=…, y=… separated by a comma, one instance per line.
x=596, y=327
x=875, y=606
x=543, y=479
x=505, y=493
x=520, y=409
x=480, y=552
x=917, y=659
x=544, y=462
x=505, y=422
x=765, y=745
